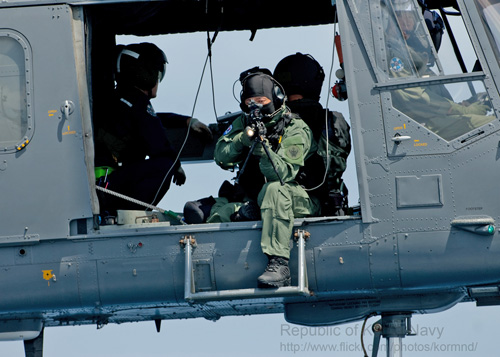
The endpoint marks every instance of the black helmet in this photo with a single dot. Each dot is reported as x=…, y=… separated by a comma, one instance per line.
x=435, y=25
x=259, y=83
x=140, y=64
x=300, y=74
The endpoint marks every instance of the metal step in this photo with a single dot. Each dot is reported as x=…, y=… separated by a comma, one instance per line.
x=190, y=294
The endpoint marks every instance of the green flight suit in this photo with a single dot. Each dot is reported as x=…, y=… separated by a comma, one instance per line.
x=431, y=105
x=439, y=114
x=279, y=204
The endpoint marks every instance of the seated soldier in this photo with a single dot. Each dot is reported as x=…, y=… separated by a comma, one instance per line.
x=274, y=144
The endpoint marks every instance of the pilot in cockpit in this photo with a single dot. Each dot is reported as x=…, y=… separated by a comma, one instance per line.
x=410, y=54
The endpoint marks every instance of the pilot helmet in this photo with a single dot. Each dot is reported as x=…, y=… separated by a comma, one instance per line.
x=261, y=84
x=435, y=25
x=141, y=64
x=402, y=5
x=406, y=16
x=300, y=74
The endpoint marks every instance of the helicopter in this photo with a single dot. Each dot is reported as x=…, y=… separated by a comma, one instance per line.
x=423, y=240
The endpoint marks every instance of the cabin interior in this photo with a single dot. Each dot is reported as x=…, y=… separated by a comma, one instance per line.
x=107, y=23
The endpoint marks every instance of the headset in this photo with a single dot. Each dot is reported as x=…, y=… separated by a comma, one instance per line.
x=278, y=92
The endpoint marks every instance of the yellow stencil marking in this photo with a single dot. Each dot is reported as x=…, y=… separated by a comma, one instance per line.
x=69, y=131
x=52, y=112
x=47, y=275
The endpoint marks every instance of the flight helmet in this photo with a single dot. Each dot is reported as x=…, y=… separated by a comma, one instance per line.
x=300, y=74
x=140, y=64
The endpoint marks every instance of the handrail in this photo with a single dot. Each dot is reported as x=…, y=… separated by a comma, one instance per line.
x=252, y=293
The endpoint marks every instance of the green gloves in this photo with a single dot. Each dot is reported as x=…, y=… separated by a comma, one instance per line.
x=242, y=140
x=474, y=108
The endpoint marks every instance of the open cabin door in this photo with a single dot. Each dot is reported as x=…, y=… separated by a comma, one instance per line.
x=43, y=174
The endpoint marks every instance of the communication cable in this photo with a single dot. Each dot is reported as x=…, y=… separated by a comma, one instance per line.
x=363, y=331
x=209, y=56
x=327, y=168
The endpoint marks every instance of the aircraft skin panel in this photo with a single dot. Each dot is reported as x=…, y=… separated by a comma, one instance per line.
x=342, y=266
x=352, y=309
x=125, y=280
x=61, y=181
x=455, y=254
x=106, y=278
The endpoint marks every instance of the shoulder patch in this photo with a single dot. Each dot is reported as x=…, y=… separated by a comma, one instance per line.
x=230, y=127
x=293, y=152
x=396, y=64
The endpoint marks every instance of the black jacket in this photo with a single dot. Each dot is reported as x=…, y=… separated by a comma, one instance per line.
x=130, y=130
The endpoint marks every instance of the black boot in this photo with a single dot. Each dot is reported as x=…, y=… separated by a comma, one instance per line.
x=277, y=273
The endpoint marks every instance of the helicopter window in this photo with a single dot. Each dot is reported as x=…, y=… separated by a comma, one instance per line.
x=456, y=51
x=408, y=39
x=490, y=11
x=13, y=98
x=448, y=115
x=406, y=49
x=410, y=52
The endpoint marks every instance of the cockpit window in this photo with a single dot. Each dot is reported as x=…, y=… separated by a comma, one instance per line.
x=15, y=130
x=402, y=44
x=490, y=13
x=407, y=49
x=450, y=110
x=413, y=41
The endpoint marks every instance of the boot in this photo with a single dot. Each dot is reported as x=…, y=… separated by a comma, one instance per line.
x=277, y=273
x=249, y=211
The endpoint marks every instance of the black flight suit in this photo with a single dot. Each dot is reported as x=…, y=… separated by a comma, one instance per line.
x=131, y=139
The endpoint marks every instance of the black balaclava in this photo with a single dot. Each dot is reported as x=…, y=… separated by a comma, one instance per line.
x=300, y=74
x=260, y=85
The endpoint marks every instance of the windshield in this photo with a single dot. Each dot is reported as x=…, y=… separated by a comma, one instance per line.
x=409, y=51
x=490, y=13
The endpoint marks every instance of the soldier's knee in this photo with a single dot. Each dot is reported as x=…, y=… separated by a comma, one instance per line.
x=277, y=198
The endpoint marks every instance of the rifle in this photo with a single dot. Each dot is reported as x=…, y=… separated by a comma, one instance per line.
x=256, y=129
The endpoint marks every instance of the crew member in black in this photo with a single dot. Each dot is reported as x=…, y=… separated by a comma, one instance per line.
x=133, y=154
x=302, y=77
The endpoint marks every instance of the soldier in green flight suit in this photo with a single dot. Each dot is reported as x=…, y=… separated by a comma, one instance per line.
x=280, y=197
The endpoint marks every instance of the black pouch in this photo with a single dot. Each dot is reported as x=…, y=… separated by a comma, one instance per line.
x=198, y=211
